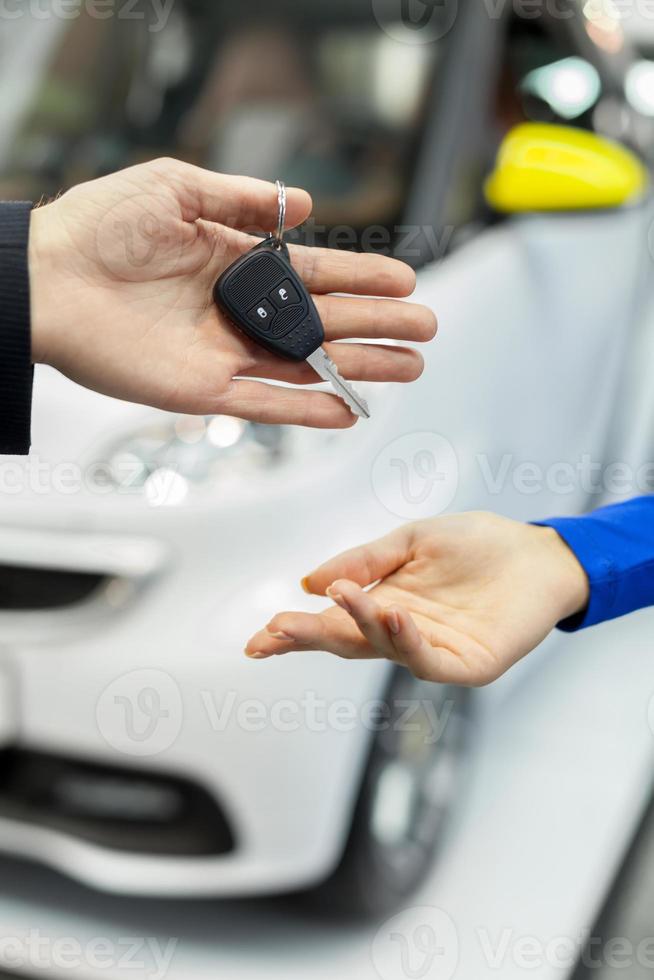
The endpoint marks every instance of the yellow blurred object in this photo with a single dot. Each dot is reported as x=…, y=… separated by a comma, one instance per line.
x=545, y=167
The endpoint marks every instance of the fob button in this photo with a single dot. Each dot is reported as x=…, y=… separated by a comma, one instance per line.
x=285, y=294
x=262, y=315
x=286, y=320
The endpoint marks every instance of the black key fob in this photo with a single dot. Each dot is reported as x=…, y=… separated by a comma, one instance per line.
x=265, y=298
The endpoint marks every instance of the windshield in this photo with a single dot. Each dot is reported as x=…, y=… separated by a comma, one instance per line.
x=319, y=94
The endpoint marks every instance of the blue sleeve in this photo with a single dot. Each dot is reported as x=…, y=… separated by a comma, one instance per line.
x=615, y=546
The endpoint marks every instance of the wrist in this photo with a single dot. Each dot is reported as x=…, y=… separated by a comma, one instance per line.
x=43, y=287
x=570, y=585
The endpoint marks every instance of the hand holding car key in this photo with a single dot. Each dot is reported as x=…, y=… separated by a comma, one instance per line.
x=187, y=226
x=266, y=299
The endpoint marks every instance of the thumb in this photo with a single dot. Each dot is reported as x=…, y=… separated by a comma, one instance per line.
x=363, y=565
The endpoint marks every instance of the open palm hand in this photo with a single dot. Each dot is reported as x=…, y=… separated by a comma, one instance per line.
x=458, y=599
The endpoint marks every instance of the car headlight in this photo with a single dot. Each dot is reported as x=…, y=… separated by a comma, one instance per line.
x=189, y=451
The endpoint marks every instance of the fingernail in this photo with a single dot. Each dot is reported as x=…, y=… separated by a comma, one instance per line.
x=393, y=621
x=280, y=635
x=258, y=655
x=305, y=584
x=339, y=600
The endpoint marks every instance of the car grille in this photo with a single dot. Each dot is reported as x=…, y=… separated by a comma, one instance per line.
x=30, y=589
x=120, y=809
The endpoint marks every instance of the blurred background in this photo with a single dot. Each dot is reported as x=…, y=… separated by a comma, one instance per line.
x=144, y=833
x=325, y=94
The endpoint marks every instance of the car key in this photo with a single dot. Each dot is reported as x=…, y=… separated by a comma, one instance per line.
x=262, y=294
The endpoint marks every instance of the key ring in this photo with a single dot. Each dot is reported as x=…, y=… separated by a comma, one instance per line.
x=278, y=240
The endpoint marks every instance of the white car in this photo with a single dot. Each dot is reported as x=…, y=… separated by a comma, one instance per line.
x=142, y=753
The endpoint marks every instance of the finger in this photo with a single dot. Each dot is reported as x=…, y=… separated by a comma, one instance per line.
x=327, y=270
x=239, y=202
x=365, y=564
x=324, y=270
x=357, y=362
x=411, y=647
x=333, y=631
x=344, y=317
x=428, y=661
x=276, y=405
x=366, y=613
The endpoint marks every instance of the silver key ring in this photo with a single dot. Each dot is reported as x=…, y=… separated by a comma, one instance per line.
x=281, y=219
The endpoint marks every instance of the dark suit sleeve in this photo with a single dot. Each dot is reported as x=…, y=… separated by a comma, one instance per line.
x=15, y=345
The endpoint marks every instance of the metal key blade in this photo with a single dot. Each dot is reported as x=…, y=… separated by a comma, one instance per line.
x=323, y=365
